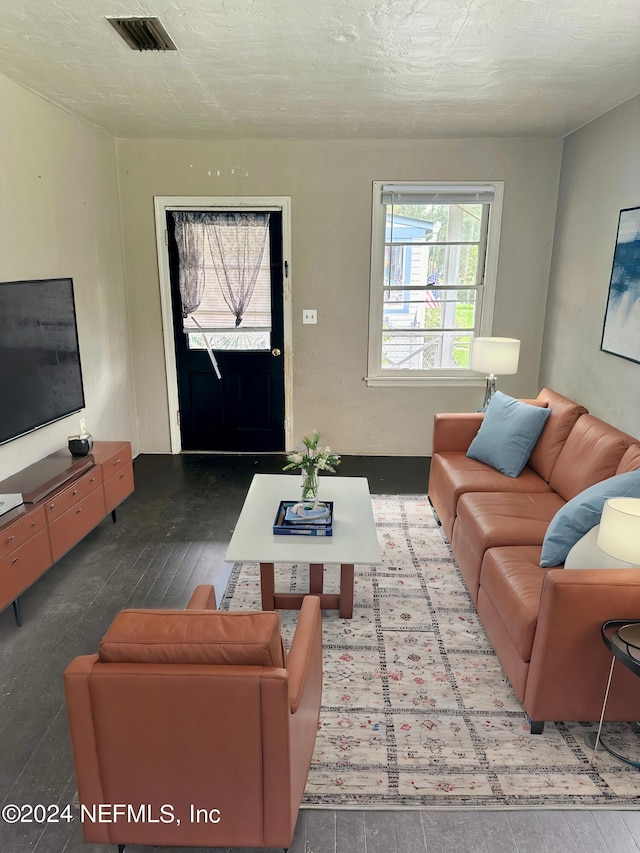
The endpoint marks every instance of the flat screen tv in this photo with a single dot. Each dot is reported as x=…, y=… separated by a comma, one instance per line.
x=40, y=371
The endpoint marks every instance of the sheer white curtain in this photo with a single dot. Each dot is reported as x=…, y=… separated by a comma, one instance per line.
x=237, y=242
x=190, y=239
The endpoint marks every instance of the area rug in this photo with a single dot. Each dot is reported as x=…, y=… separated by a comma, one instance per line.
x=416, y=709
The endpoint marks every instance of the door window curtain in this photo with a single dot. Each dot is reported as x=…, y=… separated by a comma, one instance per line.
x=236, y=243
x=189, y=235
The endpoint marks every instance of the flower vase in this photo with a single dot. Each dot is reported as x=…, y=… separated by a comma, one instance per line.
x=310, y=484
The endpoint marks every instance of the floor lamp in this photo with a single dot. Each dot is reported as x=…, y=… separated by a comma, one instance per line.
x=495, y=357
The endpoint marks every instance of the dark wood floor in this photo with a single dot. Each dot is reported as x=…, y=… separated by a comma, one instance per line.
x=172, y=534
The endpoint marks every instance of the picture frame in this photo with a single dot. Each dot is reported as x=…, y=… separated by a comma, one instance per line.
x=621, y=328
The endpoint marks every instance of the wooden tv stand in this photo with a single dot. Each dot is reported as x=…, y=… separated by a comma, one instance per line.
x=65, y=497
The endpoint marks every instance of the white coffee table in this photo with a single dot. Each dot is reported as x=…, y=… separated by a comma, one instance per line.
x=354, y=538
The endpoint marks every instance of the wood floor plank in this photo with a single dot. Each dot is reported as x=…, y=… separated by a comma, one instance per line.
x=379, y=832
x=453, y=830
x=526, y=831
x=632, y=821
x=350, y=830
x=409, y=831
x=585, y=829
x=321, y=831
x=497, y=833
x=615, y=832
x=556, y=832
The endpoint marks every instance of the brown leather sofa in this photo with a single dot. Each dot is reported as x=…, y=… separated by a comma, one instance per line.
x=544, y=623
x=198, y=724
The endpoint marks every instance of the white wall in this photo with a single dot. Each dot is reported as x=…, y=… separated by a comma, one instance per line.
x=59, y=217
x=330, y=183
x=600, y=176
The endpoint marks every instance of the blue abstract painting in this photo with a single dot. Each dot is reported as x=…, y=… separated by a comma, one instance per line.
x=621, y=332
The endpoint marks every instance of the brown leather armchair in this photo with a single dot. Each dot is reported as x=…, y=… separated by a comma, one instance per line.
x=194, y=727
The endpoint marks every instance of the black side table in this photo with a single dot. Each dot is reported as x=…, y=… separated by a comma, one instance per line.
x=621, y=651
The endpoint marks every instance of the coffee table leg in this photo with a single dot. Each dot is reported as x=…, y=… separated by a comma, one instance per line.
x=346, y=590
x=267, y=586
x=316, y=578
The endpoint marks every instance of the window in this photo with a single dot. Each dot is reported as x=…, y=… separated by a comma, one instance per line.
x=433, y=271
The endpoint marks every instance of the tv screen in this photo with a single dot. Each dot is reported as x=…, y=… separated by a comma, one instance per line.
x=40, y=371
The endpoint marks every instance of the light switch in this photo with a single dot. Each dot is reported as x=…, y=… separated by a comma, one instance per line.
x=309, y=315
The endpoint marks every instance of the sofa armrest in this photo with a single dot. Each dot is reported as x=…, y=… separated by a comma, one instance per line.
x=306, y=650
x=568, y=643
x=455, y=430
x=203, y=598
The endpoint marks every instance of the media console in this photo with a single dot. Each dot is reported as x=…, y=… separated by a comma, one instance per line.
x=64, y=499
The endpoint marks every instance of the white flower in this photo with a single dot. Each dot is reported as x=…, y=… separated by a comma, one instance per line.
x=296, y=458
x=321, y=462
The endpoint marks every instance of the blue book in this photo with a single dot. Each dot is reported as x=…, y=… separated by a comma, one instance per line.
x=296, y=530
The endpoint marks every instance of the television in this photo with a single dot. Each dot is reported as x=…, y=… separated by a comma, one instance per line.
x=40, y=371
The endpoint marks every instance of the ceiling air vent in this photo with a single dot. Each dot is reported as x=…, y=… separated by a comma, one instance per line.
x=143, y=33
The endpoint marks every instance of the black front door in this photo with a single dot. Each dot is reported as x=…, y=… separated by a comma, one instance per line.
x=243, y=410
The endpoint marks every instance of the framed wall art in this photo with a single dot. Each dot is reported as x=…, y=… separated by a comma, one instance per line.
x=621, y=331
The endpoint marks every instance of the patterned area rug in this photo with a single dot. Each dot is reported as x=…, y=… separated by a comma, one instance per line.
x=416, y=708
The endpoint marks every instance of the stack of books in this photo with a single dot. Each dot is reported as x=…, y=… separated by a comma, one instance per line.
x=304, y=518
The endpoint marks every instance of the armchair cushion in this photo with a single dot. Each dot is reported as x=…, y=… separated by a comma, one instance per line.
x=508, y=434
x=194, y=637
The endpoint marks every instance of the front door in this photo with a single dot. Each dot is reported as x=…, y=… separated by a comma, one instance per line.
x=229, y=359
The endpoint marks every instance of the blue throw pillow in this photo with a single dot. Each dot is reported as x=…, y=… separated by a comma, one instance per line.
x=508, y=434
x=582, y=513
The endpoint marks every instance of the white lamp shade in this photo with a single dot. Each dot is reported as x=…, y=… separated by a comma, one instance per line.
x=495, y=355
x=619, y=533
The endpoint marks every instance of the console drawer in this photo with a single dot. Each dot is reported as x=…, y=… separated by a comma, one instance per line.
x=117, y=461
x=62, y=501
x=24, y=565
x=21, y=530
x=118, y=487
x=75, y=523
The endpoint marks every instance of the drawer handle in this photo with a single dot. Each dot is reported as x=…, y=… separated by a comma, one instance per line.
x=117, y=462
x=74, y=492
x=33, y=523
x=92, y=480
x=11, y=538
x=14, y=561
x=121, y=477
x=78, y=511
x=52, y=506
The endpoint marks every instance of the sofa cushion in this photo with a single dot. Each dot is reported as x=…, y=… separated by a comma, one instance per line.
x=630, y=461
x=591, y=453
x=490, y=519
x=194, y=637
x=582, y=513
x=564, y=414
x=508, y=434
x=453, y=474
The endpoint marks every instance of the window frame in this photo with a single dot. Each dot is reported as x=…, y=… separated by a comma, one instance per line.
x=486, y=289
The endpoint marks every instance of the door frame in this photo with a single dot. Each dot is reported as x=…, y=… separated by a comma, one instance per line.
x=162, y=204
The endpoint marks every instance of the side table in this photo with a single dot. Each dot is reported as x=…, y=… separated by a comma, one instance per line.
x=619, y=649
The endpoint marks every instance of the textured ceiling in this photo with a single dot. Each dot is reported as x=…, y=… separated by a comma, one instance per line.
x=330, y=68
